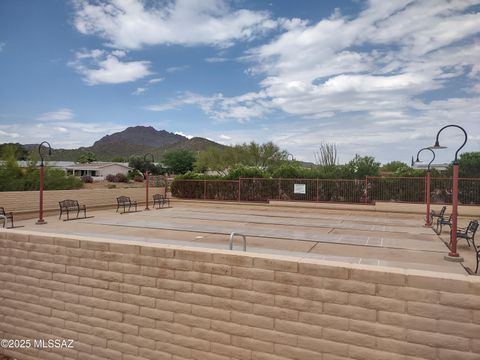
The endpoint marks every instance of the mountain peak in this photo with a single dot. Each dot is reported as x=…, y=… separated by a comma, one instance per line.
x=141, y=135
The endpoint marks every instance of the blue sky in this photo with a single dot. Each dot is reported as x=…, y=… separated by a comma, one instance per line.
x=374, y=77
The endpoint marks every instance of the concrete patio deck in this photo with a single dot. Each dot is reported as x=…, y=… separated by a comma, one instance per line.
x=384, y=239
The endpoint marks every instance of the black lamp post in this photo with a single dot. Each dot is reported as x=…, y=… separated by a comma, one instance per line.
x=453, y=254
x=427, y=184
x=146, y=177
x=40, y=220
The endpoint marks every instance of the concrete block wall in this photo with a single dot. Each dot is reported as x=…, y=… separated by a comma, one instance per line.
x=134, y=301
x=26, y=202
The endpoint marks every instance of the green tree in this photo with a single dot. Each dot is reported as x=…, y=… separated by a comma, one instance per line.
x=361, y=166
x=179, y=161
x=408, y=171
x=263, y=156
x=215, y=159
x=266, y=156
x=15, y=150
x=393, y=166
x=468, y=165
x=87, y=157
x=120, y=159
x=291, y=170
x=241, y=171
x=139, y=164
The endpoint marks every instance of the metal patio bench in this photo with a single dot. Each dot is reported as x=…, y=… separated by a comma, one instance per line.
x=468, y=233
x=126, y=201
x=161, y=200
x=68, y=206
x=6, y=216
x=437, y=214
x=443, y=221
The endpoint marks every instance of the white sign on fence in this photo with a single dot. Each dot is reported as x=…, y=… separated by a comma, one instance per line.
x=299, y=189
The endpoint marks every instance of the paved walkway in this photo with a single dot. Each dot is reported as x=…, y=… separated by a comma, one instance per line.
x=387, y=239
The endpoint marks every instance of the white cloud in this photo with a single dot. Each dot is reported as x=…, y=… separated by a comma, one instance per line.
x=139, y=91
x=175, y=69
x=183, y=134
x=61, y=129
x=156, y=80
x=241, y=108
x=390, y=53
x=101, y=67
x=132, y=24
x=60, y=134
x=58, y=115
x=225, y=137
x=2, y=45
x=383, y=59
x=371, y=74
x=9, y=135
x=216, y=59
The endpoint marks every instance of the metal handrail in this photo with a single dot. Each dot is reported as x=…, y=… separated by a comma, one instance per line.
x=232, y=235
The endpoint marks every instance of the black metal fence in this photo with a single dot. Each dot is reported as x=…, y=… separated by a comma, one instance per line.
x=369, y=190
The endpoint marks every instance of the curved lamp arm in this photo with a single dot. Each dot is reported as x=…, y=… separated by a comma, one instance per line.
x=148, y=154
x=433, y=158
x=437, y=145
x=46, y=144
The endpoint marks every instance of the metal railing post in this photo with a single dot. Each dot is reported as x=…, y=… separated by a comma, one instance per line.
x=366, y=189
x=279, y=189
x=232, y=235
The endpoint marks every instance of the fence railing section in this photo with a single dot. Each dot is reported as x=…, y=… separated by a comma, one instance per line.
x=398, y=189
x=468, y=191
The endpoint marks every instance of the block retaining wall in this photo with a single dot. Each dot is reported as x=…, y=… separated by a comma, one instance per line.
x=134, y=301
x=25, y=203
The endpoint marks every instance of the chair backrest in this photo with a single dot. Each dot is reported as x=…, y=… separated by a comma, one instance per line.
x=123, y=199
x=472, y=227
x=2, y=211
x=443, y=210
x=68, y=203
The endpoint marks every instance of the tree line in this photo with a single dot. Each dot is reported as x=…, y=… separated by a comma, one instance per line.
x=266, y=160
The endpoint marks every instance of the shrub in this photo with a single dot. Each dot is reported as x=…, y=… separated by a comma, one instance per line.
x=111, y=186
x=55, y=179
x=116, y=178
x=138, y=178
x=121, y=178
x=245, y=172
x=15, y=179
x=87, y=179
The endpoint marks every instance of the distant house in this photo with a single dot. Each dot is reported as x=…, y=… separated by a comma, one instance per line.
x=439, y=167
x=98, y=170
x=53, y=164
